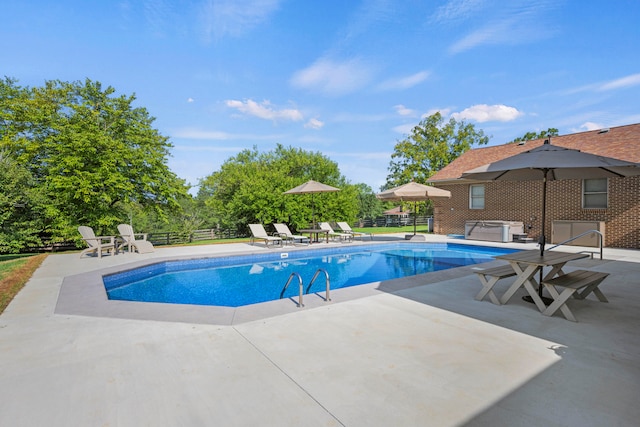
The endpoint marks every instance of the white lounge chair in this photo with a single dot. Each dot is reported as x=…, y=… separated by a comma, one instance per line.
x=285, y=233
x=345, y=228
x=129, y=239
x=344, y=237
x=258, y=232
x=97, y=244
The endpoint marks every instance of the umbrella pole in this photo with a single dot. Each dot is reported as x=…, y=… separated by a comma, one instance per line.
x=313, y=213
x=543, y=237
x=542, y=240
x=415, y=205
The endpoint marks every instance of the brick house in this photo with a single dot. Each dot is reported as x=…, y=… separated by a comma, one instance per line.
x=612, y=204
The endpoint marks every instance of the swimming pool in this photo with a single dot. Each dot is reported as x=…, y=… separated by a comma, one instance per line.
x=236, y=281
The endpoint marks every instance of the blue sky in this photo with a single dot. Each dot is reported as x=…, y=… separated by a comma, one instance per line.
x=347, y=78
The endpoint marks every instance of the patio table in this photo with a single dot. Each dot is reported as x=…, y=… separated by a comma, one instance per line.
x=315, y=232
x=527, y=263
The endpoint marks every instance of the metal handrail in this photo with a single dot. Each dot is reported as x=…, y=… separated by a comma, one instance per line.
x=580, y=235
x=291, y=276
x=327, y=281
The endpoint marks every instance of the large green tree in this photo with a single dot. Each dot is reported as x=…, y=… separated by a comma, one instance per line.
x=432, y=145
x=529, y=136
x=89, y=152
x=249, y=188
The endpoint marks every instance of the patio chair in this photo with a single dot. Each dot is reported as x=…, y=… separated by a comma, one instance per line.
x=345, y=228
x=97, y=244
x=129, y=239
x=258, y=232
x=285, y=233
x=343, y=237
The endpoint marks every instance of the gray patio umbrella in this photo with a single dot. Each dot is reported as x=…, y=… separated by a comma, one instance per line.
x=414, y=192
x=550, y=162
x=312, y=187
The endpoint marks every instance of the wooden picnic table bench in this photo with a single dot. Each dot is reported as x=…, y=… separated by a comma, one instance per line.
x=579, y=284
x=489, y=277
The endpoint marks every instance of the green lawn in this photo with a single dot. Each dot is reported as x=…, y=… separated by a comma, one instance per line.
x=15, y=271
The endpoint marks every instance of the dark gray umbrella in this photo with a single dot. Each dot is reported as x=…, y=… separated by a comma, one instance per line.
x=550, y=162
x=311, y=187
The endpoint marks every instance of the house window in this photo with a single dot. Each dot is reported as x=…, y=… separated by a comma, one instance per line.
x=476, y=196
x=594, y=193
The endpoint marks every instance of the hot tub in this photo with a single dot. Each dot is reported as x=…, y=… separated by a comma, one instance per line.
x=492, y=230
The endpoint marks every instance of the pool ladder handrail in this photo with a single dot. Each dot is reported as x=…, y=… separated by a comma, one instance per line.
x=301, y=287
x=327, y=281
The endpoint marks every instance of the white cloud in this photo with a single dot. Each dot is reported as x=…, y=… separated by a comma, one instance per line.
x=444, y=112
x=314, y=124
x=190, y=100
x=620, y=83
x=591, y=126
x=404, y=129
x=404, y=82
x=333, y=77
x=264, y=110
x=624, y=82
x=456, y=10
x=403, y=111
x=488, y=113
x=234, y=17
x=516, y=24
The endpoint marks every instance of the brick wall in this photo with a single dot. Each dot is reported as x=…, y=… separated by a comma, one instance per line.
x=522, y=201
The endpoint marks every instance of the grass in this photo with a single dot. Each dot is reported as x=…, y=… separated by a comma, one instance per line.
x=15, y=271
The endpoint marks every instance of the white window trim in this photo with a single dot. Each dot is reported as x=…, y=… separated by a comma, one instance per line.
x=584, y=193
x=471, y=196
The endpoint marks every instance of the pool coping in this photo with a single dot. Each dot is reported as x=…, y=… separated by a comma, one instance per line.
x=84, y=294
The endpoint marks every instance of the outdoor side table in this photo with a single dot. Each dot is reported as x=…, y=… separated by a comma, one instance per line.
x=315, y=232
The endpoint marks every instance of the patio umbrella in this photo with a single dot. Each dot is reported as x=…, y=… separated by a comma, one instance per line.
x=414, y=192
x=312, y=187
x=550, y=162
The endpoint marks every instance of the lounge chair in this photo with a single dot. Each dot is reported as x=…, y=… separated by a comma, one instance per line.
x=345, y=228
x=258, y=232
x=97, y=244
x=285, y=233
x=344, y=237
x=129, y=239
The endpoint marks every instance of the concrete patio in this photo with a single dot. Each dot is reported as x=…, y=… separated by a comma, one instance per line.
x=418, y=351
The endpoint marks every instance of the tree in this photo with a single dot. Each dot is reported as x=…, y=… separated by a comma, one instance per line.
x=249, y=188
x=89, y=152
x=432, y=145
x=21, y=206
x=529, y=136
x=369, y=206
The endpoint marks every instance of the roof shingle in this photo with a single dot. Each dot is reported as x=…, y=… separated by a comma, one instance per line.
x=622, y=142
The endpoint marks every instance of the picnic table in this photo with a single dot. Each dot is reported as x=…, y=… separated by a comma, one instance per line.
x=527, y=263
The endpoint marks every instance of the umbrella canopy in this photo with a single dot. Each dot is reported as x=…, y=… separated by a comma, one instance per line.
x=414, y=192
x=559, y=162
x=550, y=162
x=311, y=187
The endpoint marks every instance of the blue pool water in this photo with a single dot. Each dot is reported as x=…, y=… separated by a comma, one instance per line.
x=242, y=280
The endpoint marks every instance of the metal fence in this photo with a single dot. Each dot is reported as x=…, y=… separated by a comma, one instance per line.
x=173, y=237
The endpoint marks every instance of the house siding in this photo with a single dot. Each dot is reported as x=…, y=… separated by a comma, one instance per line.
x=522, y=201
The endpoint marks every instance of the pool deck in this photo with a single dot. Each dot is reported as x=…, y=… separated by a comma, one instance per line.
x=418, y=351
